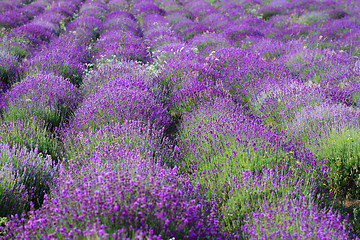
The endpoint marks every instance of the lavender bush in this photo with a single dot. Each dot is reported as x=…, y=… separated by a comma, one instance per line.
x=147, y=140
x=27, y=178
x=128, y=198
x=122, y=45
x=48, y=97
x=218, y=142
x=295, y=219
x=31, y=133
x=10, y=68
x=118, y=100
x=340, y=149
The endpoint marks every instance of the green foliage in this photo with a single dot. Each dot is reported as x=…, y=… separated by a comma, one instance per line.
x=66, y=70
x=3, y=222
x=311, y=17
x=223, y=178
x=17, y=46
x=31, y=133
x=268, y=13
x=342, y=151
x=355, y=98
x=52, y=116
x=172, y=80
x=26, y=177
x=189, y=104
x=13, y=195
x=219, y=160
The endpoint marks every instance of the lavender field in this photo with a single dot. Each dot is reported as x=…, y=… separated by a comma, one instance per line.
x=179, y=119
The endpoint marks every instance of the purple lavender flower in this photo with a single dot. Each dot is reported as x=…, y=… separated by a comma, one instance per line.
x=26, y=174
x=66, y=8
x=122, y=20
x=85, y=28
x=188, y=29
x=96, y=9
x=293, y=218
x=65, y=59
x=119, y=5
x=6, y=6
x=13, y=195
x=19, y=16
x=216, y=22
x=207, y=43
x=49, y=97
x=219, y=141
x=281, y=103
x=146, y=7
x=241, y=31
x=112, y=70
x=231, y=10
x=176, y=17
x=200, y=8
x=10, y=69
x=122, y=45
x=34, y=33
x=128, y=196
x=120, y=99
x=31, y=133
x=314, y=122
x=146, y=139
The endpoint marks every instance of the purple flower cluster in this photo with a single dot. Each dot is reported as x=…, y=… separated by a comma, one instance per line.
x=158, y=32
x=127, y=197
x=25, y=39
x=8, y=5
x=31, y=133
x=120, y=99
x=112, y=70
x=121, y=39
x=276, y=104
x=294, y=218
x=122, y=45
x=146, y=7
x=18, y=16
x=66, y=56
x=48, y=97
x=312, y=123
x=208, y=43
x=145, y=139
x=219, y=141
x=10, y=69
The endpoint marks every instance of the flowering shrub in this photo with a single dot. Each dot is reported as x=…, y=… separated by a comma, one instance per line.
x=118, y=100
x=145, y=139
x=10, y=68
x=128, y=197
x=31, y=133
x=48, y=97
x=26, y=177
x=295, y=219
x=179, y=119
